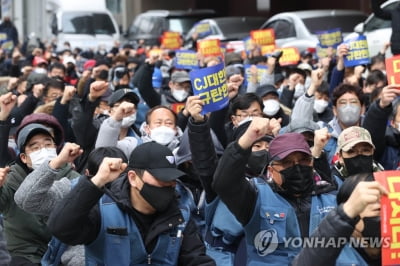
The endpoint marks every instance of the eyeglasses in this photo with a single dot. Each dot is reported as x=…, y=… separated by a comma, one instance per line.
x=253, y=114
x=36, y=146
x=286, y=163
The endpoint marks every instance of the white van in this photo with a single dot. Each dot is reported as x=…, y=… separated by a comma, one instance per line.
x=86, y=24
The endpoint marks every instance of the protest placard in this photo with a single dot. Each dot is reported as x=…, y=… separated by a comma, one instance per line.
x=210, y=84
x=393, y=69
x=358, y=52
x=390, y=216
x=263, y=37
x=290, y=56
x=203, y=29
x=209, y=47
x=186, y=59
x=330, y=38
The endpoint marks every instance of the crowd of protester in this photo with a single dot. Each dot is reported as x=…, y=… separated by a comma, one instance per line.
x=97, y=167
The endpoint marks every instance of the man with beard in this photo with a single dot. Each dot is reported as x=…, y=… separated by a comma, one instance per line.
x=271, y=212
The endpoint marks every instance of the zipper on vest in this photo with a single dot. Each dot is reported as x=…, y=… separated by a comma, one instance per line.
x=149, y=259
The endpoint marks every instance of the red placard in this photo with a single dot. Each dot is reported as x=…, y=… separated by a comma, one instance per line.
x=209, y=47
x=290, y=56
x=263, y=37
x=393, y=69
x=390, y=217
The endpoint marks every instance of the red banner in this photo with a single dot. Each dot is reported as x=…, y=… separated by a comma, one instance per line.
x=390, y=216
x=393, y=69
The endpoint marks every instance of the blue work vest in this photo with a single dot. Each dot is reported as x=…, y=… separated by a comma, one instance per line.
x=275, y=220
x=119, y=241
x=223, y=233
x=350, y=256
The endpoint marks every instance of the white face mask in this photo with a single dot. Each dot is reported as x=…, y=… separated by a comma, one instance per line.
x=128, y=121
x=40, y=70
x=271, y=107
x=349, y=114
x=162, y=135
x=298, y=90
x=398, y=126
x=180, y=95
x=320, y=106
x=41, y=156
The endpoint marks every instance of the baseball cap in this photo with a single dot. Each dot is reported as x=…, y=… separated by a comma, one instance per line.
x=352, y=136
x=69, y=59
x=265, y=89
x=157, y=159
x=37, y=60
x=36, y=78
x=305, y=66
x=180, y=76
x=302, y=125
x=117, y=96
x=283, y=145
x=27, y=132
x=232, y=70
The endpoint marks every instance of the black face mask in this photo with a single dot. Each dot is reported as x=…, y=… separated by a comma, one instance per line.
x=359, y=164
x=158, y=197
x=367, y=99
x=372, y=227
x=257, y=162
x=120, y=87
x=298, y=179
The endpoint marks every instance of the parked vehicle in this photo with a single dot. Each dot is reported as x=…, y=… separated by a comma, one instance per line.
x=150, y=25
x=297, y=29
x=377, y=31
x=84, y=24
x=230, y=30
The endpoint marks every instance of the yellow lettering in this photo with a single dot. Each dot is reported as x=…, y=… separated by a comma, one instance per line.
x=395, y=240
x=222, y=76
x=212, y=80
x=392, y=181
x=395, y=207
x=396, y=64
x=197, y=84
x=205, y=96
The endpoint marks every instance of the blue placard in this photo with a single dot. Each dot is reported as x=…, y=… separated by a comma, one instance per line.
x=261, y=70
x=358, y=52
x=186, y=59
x=330, y=38
x=203, y=29
x=247, y=42
x=210, y=84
